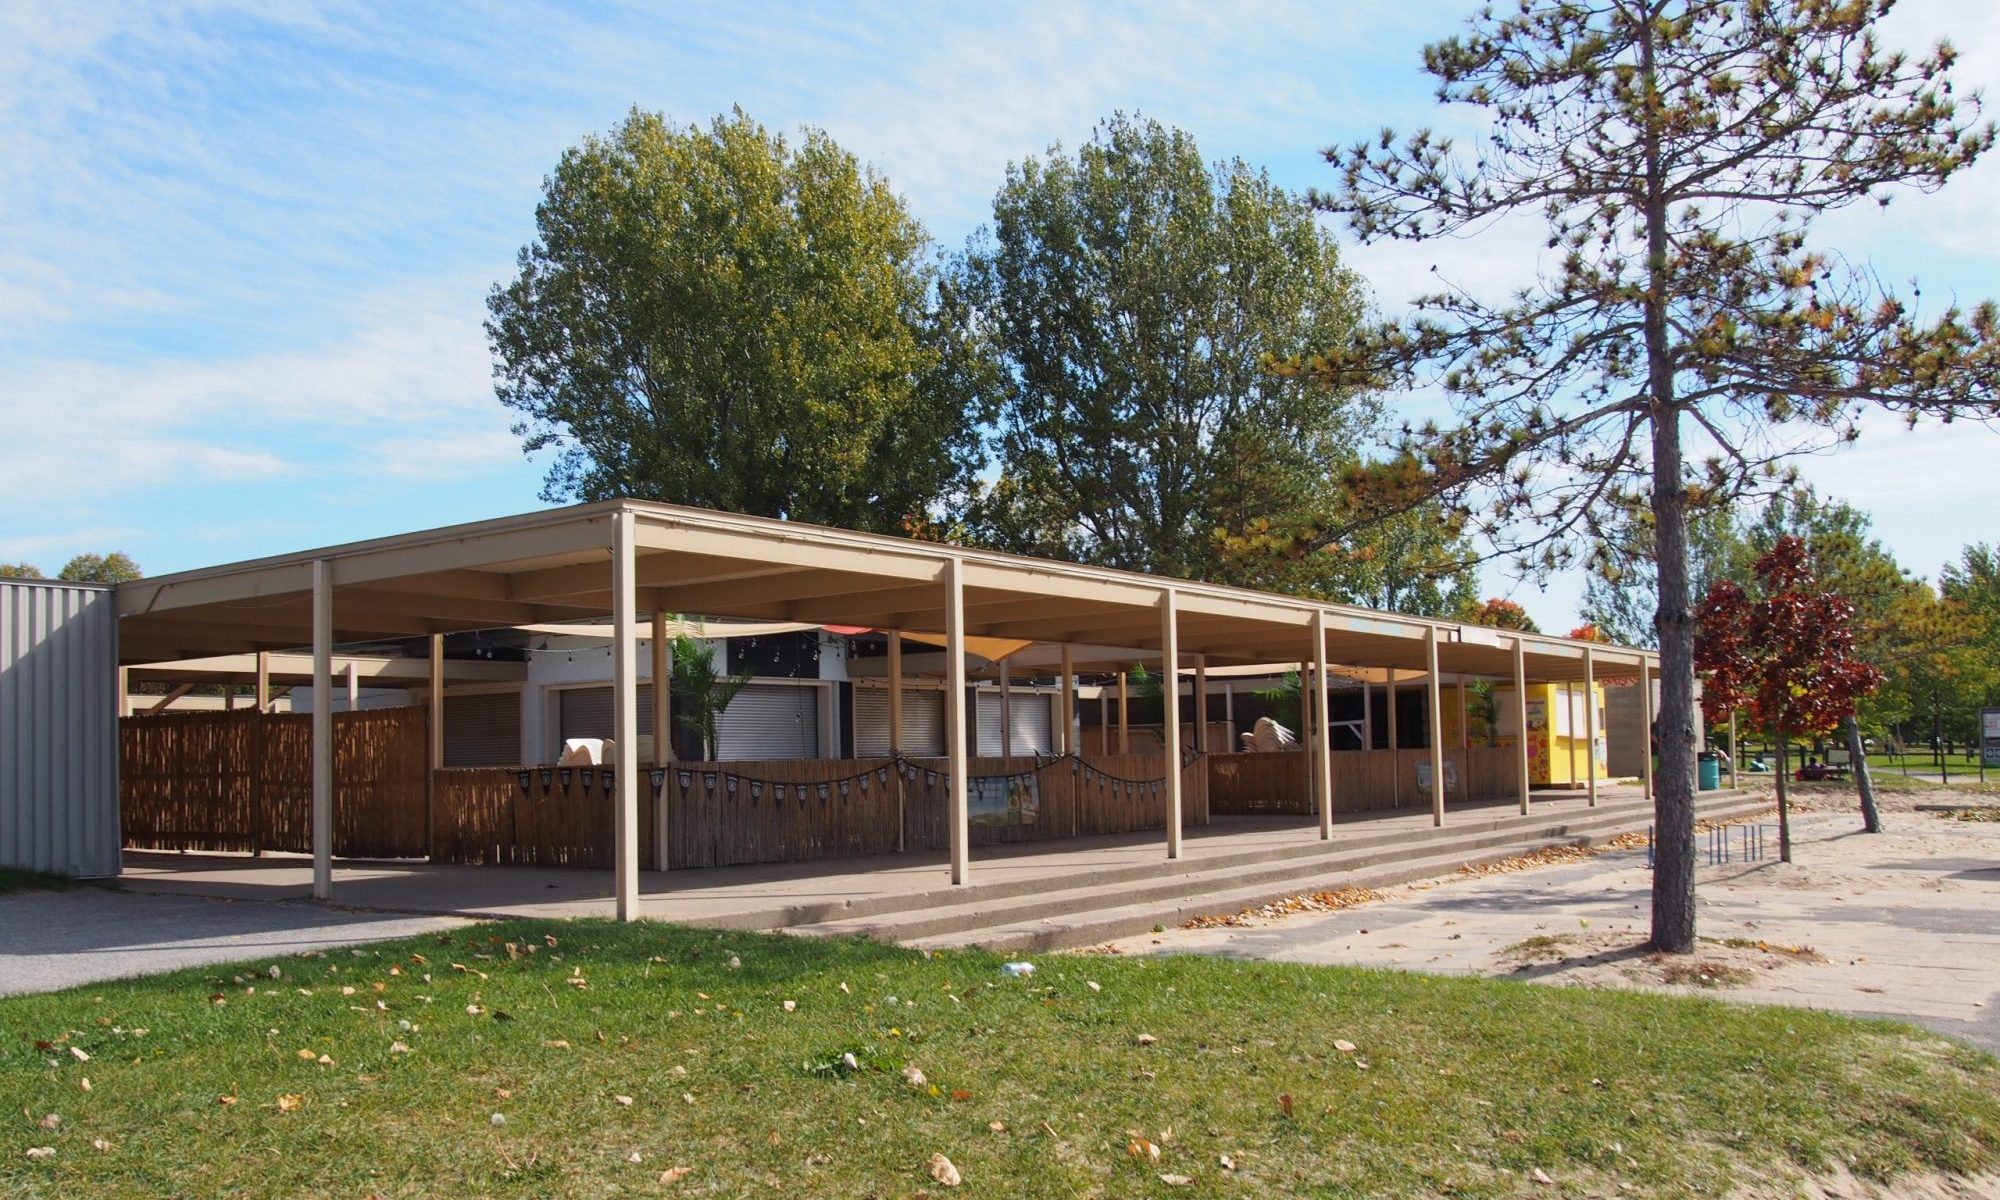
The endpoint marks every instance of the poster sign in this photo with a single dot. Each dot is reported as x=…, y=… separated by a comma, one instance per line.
x=1424, y=777
x=1004, y=800
x=1989, y=737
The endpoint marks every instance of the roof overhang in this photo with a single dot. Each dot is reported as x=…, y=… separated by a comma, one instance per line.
x=554, y=567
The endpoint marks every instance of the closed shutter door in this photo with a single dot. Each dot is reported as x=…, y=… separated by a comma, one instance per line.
x=586, y=713
x=987, y=744
x=770, y=721
x=923, y=722
x=483, y=730
x=1030, y=714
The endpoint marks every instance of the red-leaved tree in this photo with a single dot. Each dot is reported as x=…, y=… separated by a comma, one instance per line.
x=1785, y=657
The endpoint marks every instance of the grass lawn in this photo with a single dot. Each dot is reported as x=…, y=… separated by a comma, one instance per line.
x=234, y=1081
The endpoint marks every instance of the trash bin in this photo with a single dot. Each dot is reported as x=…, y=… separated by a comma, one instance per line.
x=1711, y=770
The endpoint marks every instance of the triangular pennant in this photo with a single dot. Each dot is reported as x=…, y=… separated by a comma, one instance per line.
x=563, y=775
x=609, y=778
x=930, y=778
x=844, y=783
x=822, y=789
x=660, y=778
x=526, y=778
x=756, y=789
x=708, y=780
x=864, y=783
x=587, y=777
x=732, y=785
x=777, y=791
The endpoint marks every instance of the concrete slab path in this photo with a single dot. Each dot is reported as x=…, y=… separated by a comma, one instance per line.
x=1904, y=924
x=90, y=935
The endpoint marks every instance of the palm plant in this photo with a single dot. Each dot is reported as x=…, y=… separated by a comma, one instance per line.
x=699, y=695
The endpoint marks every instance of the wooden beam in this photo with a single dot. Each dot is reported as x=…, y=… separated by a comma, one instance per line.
x=162, y=704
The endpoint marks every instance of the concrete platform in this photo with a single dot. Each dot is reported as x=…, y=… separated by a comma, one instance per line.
x=815, y=893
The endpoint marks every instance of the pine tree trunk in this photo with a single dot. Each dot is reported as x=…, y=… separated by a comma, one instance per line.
x=1871, y=817
x=1674, y=781
x=1784, y=812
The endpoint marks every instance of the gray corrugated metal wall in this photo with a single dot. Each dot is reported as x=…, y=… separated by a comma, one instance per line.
x=58, y=727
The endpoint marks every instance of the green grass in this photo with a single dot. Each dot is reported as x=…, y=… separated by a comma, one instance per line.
x=1455, y=1086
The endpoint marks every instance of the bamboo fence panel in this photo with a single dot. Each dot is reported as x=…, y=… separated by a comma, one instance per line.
x=1363, y=780
x=792, y=810
x=242, y=781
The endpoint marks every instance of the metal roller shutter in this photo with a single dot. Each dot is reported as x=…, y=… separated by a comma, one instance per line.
x=923, y=722
x=586, y=713
x=768, y=720
x=1028, y=712
x=483, y=730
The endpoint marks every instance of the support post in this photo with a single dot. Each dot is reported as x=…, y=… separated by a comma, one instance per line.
x=263, y=681
x=954, y=720
x=1229, y=717
x=1170, y=723
x=1323, y=763
x=1646, y=722
x=1436, y=691
x=1201, y=704
x=1006, y=713
x=1308, y=744
x=434, y=760
x=1124, y=713
x=322, y=729
x=125, y=688
x=1521, y=707
x=353, y=688
x=1395, y=744
x=663, y=736
x=1367, y=715
x=1068, y=737
x=1732, y=749
x=896, y=730
x=1590, y=720
x=1464, y=717
x=625, y=716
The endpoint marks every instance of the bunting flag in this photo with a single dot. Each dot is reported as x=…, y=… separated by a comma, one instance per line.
x=610, y=779
x=756, y=789
x=930, y=778
x=687, y=780
x=731, y=782
x=777, y=790
x=548, y=773
x=526, y=778
x=563, y=774
x=588, y=778
x=843, y=786
x=822, y=789
x=883, y=775
x=864, y=784
x=660, y=778
x=708, y=781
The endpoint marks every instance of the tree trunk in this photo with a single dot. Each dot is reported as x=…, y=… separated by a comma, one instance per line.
x=1784, y=813
x=1674, y=781
x=1871, y=817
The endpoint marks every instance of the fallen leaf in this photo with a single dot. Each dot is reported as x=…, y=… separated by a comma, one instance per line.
x=325, y=1060
x=940, y=1167
x=226, y=1101
x=914, y=1076
x=398, y=1048
x=633, y=1157
x=1093, y=986
x=84, y=1083
x=791, y=1006
x=306, y=1056
x=501, y=1093
x=1343, y=1045
x=624, y=1100
x=774, y=1139
x=1540, y=1176
x=1139, y=1147
x=1176, y=1180
x=557, y=1044
x=997, y=1126
x=1515, y=1136
x=1228, y=1163
x=77, y=1053
x=961, y=1093
x=675, y=1174
x=39, y=1152
x=289, y=1102
x=1146, y=1039
x=1285, y=1103
x=497, y=1120
x=100, y=1145
x=50, y=1121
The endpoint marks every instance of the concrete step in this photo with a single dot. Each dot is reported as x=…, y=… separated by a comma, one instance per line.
x=1089, y=917
x=1076, y=912
x=1354, y=835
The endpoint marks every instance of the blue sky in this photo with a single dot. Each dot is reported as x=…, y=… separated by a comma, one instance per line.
x=247, y=247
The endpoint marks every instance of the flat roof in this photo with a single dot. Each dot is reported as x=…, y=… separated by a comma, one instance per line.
x=554, y=565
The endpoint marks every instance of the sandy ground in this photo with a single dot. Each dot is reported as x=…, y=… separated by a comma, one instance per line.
x=1905, y=923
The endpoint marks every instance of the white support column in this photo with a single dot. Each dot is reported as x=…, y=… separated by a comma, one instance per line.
x=1309, y=725
x=1067, y=740
x=1646, y=726
x=263, y=681
x=1395, y=744
x=1464, y=717
x=1732, y=749
x=1367, y=716
x=895, y=691
x=1124, y=713
x=435, y=758
x=1201, y=704
x=1590, y=722
x=625, y=717
x=322, y=729
x=1436, y=696
x=1521, y=707
x=1170, y=723
x=663, y=735
x=353, y=688
x=954, y=720
x=125, y=689
x=1006, y=711
x=1323, y=763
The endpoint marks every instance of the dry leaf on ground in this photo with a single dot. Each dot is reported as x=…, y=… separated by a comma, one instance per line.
x=943, y=1171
